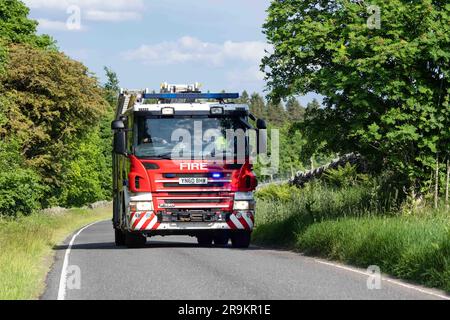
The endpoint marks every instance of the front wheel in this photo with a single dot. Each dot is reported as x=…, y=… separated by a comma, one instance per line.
x=221, y=239
x=135, y=240
x=205, y=240
x=241, y=240
x=119, y=237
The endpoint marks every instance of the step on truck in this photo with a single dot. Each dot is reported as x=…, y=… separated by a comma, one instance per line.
x=181, y=166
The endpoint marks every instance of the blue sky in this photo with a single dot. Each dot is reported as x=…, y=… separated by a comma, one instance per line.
x=216, y=42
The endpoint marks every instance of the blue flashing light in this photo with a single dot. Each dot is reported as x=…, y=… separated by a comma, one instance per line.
x=217, y=175
x=191, y=96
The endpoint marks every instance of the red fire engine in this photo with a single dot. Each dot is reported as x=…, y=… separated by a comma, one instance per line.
x=176, y=171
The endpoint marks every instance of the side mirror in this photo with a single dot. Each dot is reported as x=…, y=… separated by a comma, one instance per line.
x=117, y=125
x=261, y=124
x=120, y=142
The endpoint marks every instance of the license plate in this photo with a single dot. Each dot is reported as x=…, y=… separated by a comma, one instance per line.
x=193, y=181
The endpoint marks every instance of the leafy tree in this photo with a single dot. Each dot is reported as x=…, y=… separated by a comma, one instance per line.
x=111, y=87
x=386, y=90
x=86, y=175
x=276, y=114
x=244, y=98
x=295, y=110
x=21, y=188
x=17, y=28
x=291, y=150
x=49, y=102
x=257, y=106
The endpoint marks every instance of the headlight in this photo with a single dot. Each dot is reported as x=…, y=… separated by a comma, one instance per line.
x=244, y=205
x=167, y=111
x=141, y=206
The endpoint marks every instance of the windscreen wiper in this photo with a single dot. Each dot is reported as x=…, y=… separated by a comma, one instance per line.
x=166, y=156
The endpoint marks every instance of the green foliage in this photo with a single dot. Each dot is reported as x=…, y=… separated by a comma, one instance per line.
x=50, y=103
x=244, y=98
x=16, y=27
x=276, y=114
x=27, y=247
x=21, y=187
x=54, y=121
x=257, y=106
x=292, y=144
x=386, y=90
x=357, y=224
x=295, y=111
x=411, y=248
x=278, y=192
x=343, y=176
x=85, y=177
x=111, y=87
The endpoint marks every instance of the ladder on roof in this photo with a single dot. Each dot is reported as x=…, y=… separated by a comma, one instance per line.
x=127, y=99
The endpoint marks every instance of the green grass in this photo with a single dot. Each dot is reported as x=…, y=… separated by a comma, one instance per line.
x=412, y=248
x=350, y=225
x=26, y=248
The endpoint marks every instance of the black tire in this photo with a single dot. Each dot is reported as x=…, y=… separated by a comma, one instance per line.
x=205, y=240
x=119, y=237
x=241, y=240
x=221, y=240
x=135, y=240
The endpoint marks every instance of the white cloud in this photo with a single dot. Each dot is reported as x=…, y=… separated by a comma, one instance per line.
x=250, y=77
x=107, y=5
x=54, y=25
x=246, y=75
x=112, y=16
x=189, y=49
x=94, y=10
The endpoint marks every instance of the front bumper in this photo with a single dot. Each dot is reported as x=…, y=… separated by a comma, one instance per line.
x=150, y=221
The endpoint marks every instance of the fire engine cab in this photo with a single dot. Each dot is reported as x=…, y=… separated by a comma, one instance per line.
x=179, y=168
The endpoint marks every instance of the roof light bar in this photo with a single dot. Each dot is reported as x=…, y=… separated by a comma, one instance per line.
x=191, y=96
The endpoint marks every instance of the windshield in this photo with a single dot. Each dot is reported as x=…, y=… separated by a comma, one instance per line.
x=190, y=137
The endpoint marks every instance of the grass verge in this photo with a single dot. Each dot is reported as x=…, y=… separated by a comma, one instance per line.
x=349, y=226
x=26, y=248
x=406, y=247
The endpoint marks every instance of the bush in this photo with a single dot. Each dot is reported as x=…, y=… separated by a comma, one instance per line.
x=86, y=175
x=21, y=190
x=345, y=176
x=275, y=192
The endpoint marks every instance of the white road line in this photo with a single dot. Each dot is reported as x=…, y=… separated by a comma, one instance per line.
x=63, y=278
x=396, y=282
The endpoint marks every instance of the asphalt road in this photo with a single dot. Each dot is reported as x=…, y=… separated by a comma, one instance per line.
x=176, y=268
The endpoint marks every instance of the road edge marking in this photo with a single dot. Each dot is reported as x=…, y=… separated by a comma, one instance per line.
x=63, y=277
x=384, y=278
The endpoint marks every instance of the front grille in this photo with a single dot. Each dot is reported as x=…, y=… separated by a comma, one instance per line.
x=189, y=216
x=193, y=175
x=186, y=175
x=189, y=201
x=209, y=185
